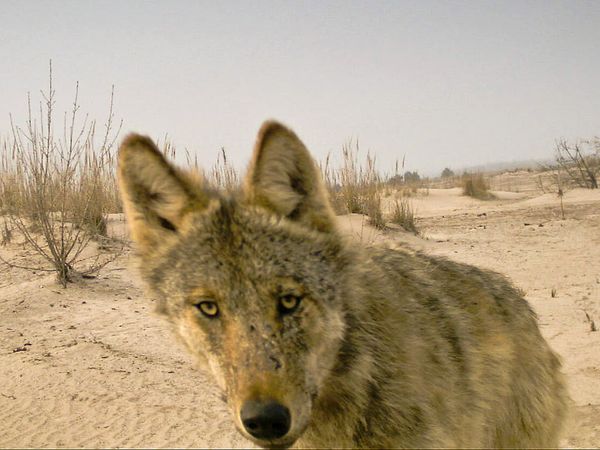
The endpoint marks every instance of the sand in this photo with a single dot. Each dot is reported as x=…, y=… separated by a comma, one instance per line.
x=93, y=366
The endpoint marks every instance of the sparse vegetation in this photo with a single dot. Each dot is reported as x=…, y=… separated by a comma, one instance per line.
x=359, y=188
x=554, y=184
x=580, y=161
x=372, y=195
x=355, y=188
x=403, y=214
x=352, y=180
x=223, y=175
x=411, y=177
x=476, y=186
x=447, y=173
x=561, y=194
x=56, y=190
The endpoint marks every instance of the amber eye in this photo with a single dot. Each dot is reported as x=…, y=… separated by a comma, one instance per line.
x=208, y=308
x=288, y=303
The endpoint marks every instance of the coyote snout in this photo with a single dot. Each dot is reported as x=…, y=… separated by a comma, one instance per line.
x=269, y=415
x=269, y=419
x=319, y=342
x=265, y=420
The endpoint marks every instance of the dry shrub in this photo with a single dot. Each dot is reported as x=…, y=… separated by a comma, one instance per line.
x=581, y=161
x=403, y=214
x=97, y=182
x=57, y=189
x=475, y=185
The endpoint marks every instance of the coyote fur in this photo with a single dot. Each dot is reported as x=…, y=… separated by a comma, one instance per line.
x=317, y=341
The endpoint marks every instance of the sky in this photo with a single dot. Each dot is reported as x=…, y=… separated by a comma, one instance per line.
x=443, y=83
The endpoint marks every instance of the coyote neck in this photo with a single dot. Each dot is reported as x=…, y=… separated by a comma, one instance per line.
x=352, y=404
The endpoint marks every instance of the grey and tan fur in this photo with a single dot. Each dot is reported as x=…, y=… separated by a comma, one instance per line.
x=332, y=344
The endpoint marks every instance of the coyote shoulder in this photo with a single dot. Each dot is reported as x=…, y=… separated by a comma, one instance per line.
x=319, y=342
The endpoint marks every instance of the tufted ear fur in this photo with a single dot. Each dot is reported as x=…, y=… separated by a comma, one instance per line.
x=156, y=196
x=284, y=178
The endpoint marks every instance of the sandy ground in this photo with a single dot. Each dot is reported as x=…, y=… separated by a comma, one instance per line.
x=92, y=366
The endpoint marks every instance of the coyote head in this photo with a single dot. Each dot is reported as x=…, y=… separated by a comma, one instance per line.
x=250, y=280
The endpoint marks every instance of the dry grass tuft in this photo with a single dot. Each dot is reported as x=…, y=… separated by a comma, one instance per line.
x=403, y=214
x=476, y=186
x=354, y=187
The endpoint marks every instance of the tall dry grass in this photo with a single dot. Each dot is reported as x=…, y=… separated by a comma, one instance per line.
x=355, y=187
x=403, y=214
x=223, y=175
x=58, y=184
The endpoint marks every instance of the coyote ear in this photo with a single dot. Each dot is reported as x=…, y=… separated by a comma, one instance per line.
x=284, y=178
x=156, y=196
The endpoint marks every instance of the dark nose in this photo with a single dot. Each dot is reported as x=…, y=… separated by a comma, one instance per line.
x=265, y=419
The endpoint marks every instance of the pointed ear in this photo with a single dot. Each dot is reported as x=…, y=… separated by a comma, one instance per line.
x=156, y=196
x=284, y=178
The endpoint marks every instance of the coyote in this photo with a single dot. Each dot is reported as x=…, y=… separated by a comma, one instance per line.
x=317, y=341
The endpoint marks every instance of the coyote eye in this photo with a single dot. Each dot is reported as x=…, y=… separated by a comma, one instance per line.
x=208, y=308
x=288, y=303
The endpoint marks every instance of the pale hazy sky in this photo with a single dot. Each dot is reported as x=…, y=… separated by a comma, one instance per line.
x=448, y=83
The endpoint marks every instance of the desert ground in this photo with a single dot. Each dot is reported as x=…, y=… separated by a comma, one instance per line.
x=93, y=366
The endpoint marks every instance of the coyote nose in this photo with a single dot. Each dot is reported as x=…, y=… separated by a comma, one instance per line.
x=265, y=420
